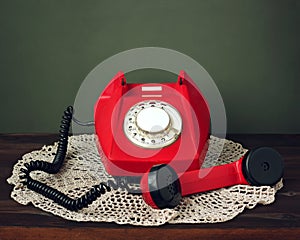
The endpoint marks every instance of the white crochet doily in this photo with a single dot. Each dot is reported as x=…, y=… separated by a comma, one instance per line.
x=83, y=168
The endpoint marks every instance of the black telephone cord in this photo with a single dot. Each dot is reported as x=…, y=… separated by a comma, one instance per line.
x=54, y=167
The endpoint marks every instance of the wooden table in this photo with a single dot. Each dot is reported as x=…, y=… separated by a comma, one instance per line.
x=278, y=220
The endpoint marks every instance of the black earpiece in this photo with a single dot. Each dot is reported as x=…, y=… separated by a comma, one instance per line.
x=262, y=166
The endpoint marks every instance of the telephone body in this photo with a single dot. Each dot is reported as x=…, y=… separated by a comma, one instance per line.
x=176, y=129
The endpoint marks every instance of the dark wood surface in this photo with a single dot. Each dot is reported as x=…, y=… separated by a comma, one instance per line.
x=278, y=220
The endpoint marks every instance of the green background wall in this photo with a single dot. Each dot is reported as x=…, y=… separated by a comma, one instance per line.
x=249, y=47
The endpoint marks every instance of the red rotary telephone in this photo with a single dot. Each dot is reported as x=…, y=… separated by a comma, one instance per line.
x=160, y=132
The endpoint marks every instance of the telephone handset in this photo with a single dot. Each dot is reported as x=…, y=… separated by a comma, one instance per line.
x=159, y=134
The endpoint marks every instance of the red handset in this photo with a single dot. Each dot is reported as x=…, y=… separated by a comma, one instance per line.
x=162, y=188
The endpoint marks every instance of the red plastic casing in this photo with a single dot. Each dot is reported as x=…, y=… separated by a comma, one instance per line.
x=216, y=177
x=123, y=158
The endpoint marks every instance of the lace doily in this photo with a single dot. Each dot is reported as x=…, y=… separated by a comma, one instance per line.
x=83, y=169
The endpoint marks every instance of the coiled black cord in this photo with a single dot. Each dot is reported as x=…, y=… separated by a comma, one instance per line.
x=128, y=184
x=54, y=167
